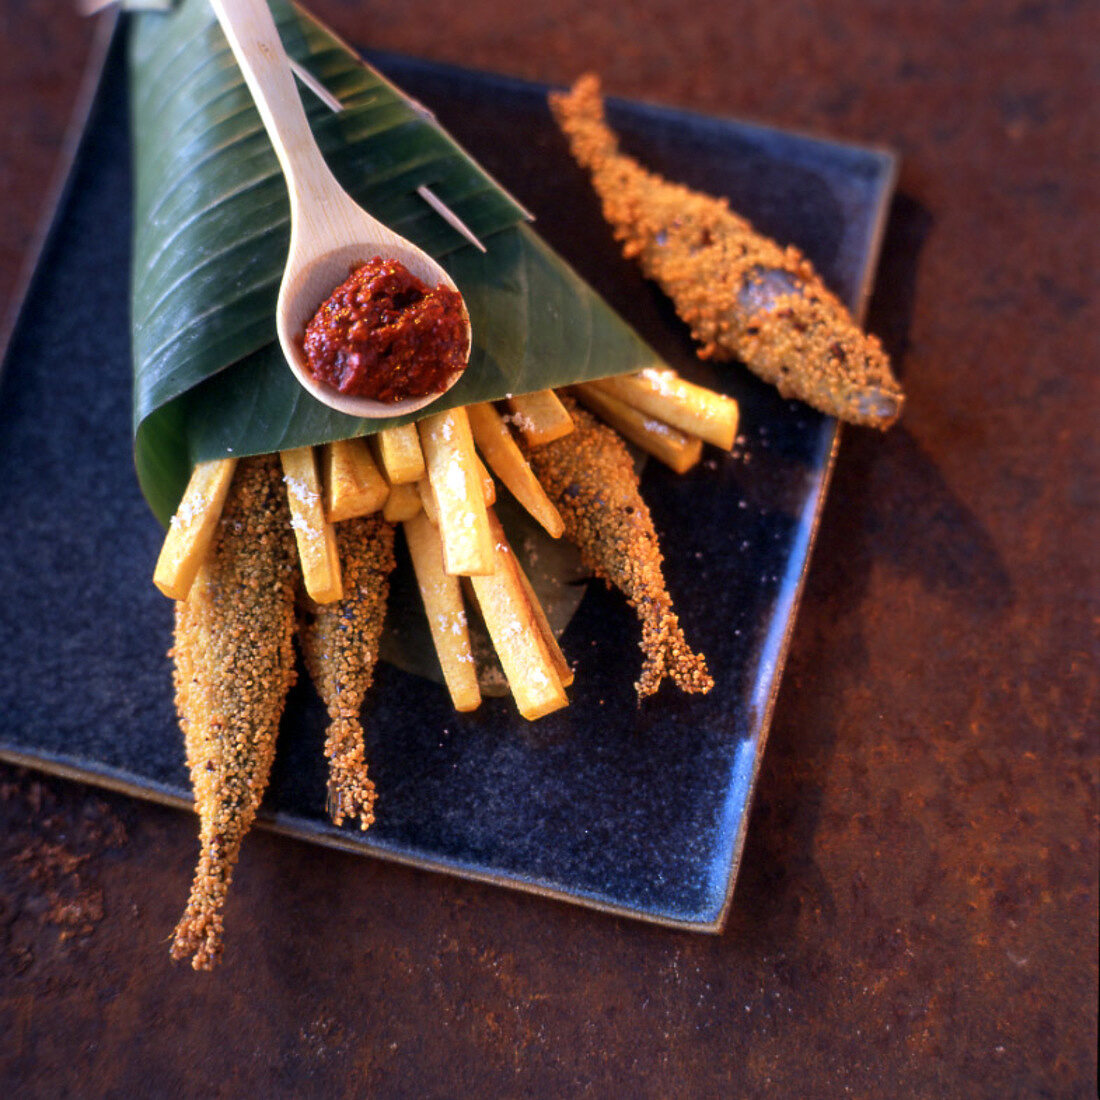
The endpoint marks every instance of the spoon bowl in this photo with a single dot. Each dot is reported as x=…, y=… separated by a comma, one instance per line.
x=330, y=234
x=309, y=279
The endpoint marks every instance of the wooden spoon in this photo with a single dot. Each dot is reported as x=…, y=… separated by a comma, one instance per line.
x=329, y=232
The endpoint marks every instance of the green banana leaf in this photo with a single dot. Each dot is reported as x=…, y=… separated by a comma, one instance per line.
x=211, y=231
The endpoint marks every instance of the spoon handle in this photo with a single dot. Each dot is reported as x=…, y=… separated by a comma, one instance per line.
x=255, y=41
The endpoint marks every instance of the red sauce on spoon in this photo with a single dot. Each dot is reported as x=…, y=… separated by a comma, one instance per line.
x=385, y=335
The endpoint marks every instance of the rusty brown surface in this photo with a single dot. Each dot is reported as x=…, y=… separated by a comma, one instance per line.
x=916, y=914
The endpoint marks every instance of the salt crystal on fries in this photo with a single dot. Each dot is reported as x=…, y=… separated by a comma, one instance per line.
x=427, y=497
x=458, y=492
x=399, y=454
x=192, y=528
x=540, y=417
x=314, y=535
x=354, y=486
x=501, y=451
x=564, y=670
x=517, y=636
x=668, y=397
x=442, y=596
x=672, y=446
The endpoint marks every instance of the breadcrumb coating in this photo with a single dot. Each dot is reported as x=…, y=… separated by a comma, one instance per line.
x=340, y=646
x=590, y=476
x=743, y=295
x=234, y=666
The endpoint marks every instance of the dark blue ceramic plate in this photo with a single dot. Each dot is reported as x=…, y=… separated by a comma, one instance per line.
x=640, y=811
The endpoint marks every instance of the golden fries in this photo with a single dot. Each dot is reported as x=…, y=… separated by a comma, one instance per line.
x=540, y=417
x=427, y=501
x=672, y=446
x=429, y=477
x=663, y=394
x=354, y=486
x=563, y=668
x=517, y=636
x=427, y=497
x=442, y=596
x=458, y=492
x=488, y=485
x=192, y=528
x=399, y=454
x=502, y=453
x=316, y=540
x=402, y=504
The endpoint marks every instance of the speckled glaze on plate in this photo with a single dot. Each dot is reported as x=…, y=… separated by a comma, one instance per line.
x=638, y=811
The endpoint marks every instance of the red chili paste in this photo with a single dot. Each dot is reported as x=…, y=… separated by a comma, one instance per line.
x=385, y=335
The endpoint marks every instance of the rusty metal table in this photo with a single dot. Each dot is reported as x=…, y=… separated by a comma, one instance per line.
x=917, y=908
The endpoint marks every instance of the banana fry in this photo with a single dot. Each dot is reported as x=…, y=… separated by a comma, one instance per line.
x=312, y=531
x=501, y=451
x=456, y=481
x=539, y=417
x=672, y=446
x=354, y=486
x=192, y=528
x=399, y=454
x=692, y=409
x=517, y=636
x=442, y=596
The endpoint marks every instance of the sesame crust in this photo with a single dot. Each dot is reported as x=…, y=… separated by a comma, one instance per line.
x=234, y=665
x=340, y=646
x=590, y=476
x=742, y=295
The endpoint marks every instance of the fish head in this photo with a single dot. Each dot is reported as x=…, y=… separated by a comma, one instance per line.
x=801, y=338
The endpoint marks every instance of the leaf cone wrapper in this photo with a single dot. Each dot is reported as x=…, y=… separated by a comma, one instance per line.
x=212, y=227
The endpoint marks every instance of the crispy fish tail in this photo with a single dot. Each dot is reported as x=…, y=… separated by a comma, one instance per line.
x=351, y=791
x=234, y=664
x=667, y=653
x=590, y=477
x=340, y=646
x=744, y=296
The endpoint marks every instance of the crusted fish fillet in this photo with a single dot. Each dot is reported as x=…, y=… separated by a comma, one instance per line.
x=234, y=664
x=590, y=477
x=340, y=646
x=743, y=295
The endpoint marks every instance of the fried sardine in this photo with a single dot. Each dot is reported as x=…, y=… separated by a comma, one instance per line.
x=234, y=665
x=743, y=295
x=340, y=647
x=590, y=477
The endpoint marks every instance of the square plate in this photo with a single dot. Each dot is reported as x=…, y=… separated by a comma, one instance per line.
x=641, y=811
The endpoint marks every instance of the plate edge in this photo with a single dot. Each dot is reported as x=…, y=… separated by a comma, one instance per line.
x=116, y=781
x=863, y=294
